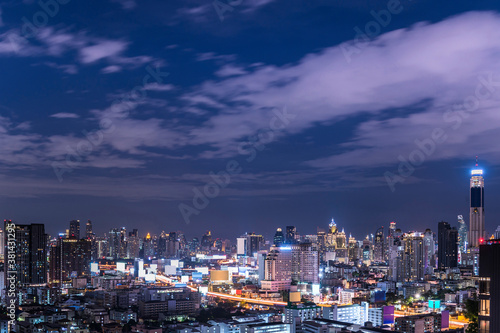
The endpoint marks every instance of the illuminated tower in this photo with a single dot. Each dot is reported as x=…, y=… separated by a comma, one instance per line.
x=476, y=227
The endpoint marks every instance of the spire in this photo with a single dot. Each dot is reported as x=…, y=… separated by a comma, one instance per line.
x=477, y=158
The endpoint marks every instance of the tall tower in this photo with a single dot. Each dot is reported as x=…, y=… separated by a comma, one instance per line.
x=476, y=227
x=74, y=229
x=88, y=230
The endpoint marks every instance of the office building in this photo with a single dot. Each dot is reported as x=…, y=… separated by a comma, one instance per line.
x=279, y=237
x=31, y=254
x=291, y=233
x=305, y=263
x=462, y=235
x=89, y=233
x=74, y=229
x=429, y=252
x=379, y=246
x=447, y=246
x=69, y=259
x=489, y=287
x=413, y=257
x=477, y=230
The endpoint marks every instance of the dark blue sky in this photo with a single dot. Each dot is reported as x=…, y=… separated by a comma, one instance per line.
x=119, y=111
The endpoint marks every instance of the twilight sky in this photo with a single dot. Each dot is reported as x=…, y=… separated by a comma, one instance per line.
x=124, y=111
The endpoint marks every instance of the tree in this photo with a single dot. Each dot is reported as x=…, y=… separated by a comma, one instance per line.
x=471, y=313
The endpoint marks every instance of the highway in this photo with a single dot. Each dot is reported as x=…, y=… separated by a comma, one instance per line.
x=165, y=279
x=226, y=296
x=452, y=322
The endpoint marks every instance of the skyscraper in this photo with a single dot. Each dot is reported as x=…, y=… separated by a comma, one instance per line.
x=31, y=254
x=392, y=228
x=114, y=245
x=291, y=232
x=413, y=257
x=74, y=229
x=379, y=246
x=305, y=263
x=69, y=258
x=279, y=238
x=477, y=227
x=429, y=252
x=462, y=236
x=88, y=230
x=447, y=246
x=489, y=287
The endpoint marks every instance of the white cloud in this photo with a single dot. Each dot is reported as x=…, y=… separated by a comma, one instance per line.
x=126, y=4
x=437, y=62
x=101, y=50
x=230, y=70
x=111, y=69
x=155, y=86
x=65, y=115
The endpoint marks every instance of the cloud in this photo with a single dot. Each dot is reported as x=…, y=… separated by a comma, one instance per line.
x=439, y=63
x=56, y=43
x=230, y=70
x=126, y=4
x=65, y=115
x=213, y=56
x=111, y=69
x=68, y=69
x=155, y=86
x=101, y=50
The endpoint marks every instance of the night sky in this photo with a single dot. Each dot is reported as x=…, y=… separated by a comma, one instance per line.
x=120, y=111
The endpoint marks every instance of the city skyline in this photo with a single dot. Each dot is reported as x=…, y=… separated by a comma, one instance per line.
x=315, y=129
x=475, y=172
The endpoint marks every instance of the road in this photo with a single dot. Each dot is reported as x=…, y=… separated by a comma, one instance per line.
x=228, y=297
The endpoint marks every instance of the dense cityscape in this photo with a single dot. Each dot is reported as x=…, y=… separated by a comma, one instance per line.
x=249, y=166
x=123, y=281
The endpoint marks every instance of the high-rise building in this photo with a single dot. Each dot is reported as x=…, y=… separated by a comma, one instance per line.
x=30, y=254
x=462, y=236
x=278, y=264
x=69, y=258
x=496, y=235
x=114, y=238
x=2, y=244
x=206, y=241
x=447, y=246
x=89, y=234
x=249, y=244
x=392, y=228
x=489, y=287
x=279, y=237
x=379, y=246
x=291, y=232
x=477, y=227
x=133, y=244
x=305, y=263
x=172, y=245
x=102, y=247
x=413, y=257
x=148, y=246
x=74, y=229
x=429, y=252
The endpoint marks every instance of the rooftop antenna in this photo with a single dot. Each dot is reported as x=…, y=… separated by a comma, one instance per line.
x=477, y=164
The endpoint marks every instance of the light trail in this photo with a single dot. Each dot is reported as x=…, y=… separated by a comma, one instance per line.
x=226, y=296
